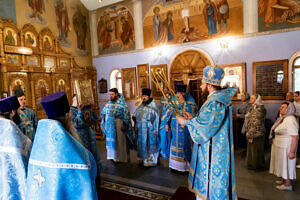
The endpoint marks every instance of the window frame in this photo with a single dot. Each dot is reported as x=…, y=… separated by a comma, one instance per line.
x=119, y=71
x=291, y=67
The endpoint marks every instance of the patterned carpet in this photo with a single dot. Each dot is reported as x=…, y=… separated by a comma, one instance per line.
x=114, y=191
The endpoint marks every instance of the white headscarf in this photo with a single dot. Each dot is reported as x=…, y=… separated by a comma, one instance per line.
x=289, y=112
x=258, y=101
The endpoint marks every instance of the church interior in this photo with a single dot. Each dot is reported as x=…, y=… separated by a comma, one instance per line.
x=49, y=46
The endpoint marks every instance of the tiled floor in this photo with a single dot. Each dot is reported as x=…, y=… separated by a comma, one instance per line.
x=252, y=185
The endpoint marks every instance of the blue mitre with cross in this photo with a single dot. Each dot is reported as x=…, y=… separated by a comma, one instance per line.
x=213, y=75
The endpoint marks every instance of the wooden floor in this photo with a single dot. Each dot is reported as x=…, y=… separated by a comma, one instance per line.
x=252, y=185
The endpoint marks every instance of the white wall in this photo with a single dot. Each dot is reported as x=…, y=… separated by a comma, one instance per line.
x=241, y=49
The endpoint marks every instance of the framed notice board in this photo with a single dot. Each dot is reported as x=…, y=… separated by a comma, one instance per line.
x=270, y=79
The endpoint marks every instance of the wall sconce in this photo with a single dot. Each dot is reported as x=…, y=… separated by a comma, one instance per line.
x=160, y=51
x=224, y=45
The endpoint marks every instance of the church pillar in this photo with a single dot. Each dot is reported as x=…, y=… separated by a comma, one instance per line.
x=94, y=36
x=250, y=16
x=138, y=24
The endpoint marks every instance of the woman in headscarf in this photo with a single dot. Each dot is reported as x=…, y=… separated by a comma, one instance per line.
x=240, y=115
x=254, y=127
x=284, y=136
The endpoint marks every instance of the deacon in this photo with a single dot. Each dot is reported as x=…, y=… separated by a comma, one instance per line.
x=180, y=153
x=117, y=127
x=28, y=117
x=212, y=173
x=60, y=167
x=146, y=121
x=165, y=135
x=83, y=118
x=14, y=151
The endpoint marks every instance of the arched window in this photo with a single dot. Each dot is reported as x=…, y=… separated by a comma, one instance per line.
x=116, y=79
x=296, y=74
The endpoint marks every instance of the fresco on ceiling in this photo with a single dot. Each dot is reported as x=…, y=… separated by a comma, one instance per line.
x=37, y=9
x=174, y=21
x=7, y=10
x=115, y=30
x=278, y=14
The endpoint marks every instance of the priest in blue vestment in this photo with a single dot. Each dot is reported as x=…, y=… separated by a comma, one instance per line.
x=14, y=152
x=117, y=127
x=179, y=148
x=146, y=120
x=165, y=135
x=60, y=167
x=83, y=117
x=212, y=172
x=28, y=117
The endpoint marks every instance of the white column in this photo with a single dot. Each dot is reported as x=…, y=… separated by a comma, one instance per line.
x=250, y=16
x=94, y=35
x=138, y=24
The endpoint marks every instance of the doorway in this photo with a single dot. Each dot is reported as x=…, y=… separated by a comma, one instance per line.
x=187, y=67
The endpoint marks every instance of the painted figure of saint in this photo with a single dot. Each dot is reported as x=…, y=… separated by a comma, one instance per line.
x=167, y=32
x=127, y=33
x=29, y=40
x=18, y=88
x=156, y=23
x=61, y=86
x=223, y=14
x=104, y=31
x=9, y=38
x=210, y=16
x=265, y=9
x=37, y=7
x=43, y=89
x=47, y=44
x=80, y=27
x=62, y=19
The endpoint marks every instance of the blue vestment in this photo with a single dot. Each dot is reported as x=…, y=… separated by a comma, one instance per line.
x=163, y=104
x=59, y=166
x=82, y=123
x=116, y=110
x=28, y=123
x=212, y=172
x=14, y=154
x=180, y=137
x=146, y=119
